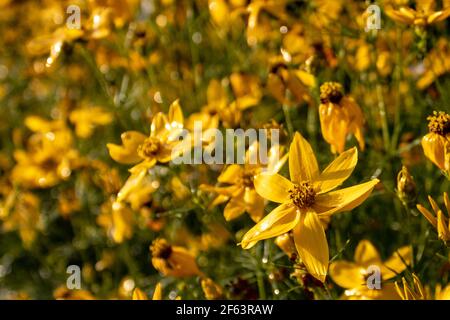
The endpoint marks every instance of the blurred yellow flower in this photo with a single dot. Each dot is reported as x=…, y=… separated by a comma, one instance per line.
x=353, y=276
x=436, y=144
x=86, y=119
x=117, y=219
x=49, y=157
x=304, y=200
x=63, y=293
x=424, y=13
x=173, y=261
x=211, y=289
x=239, y=190
x=138, y=294
x=339, y=116
x=439, y=220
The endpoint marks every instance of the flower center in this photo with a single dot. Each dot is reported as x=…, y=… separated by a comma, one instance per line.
x=302, y=195
x=149, y=148
x=331, y=92
x=247, y=178
x=439, y=123
x=160, y=248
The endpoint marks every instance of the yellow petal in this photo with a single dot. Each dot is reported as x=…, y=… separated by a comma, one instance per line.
x=138, y=294
x=428, y=215
x=160, y=127
x=234, y=208
x=273, y=187
x=127, y=153
x=311, y=243
x=230, y=174
x=157, y=295
x=366, y=254
x=442, y=227
x=434, y=149
x=398, y=262
x=346, y=274
x=131, y=184
x=254, y=204
x=302, y=161
x=281, y=220
x=338, y=170
x=176, y=118
x=346, y=199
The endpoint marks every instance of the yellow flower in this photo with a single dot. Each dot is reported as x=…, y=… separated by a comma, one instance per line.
x=339, y=116
x=441, y=223
x=157, y=147
x=239, y=189
x=211, y=289
x=160, y=147
x=138, y=294
x=49, y=157
x=173, y=261
x=117, y=219
x=24, y=216
x=406, y=187
x=416, y=291
x=436, y=144
x=353, y=276
x=442, y=294
x=62, y=293
x=86, y=119
x=422, y=15
x=305, y=200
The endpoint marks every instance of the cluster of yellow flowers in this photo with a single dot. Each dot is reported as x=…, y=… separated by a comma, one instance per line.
x=75, y=82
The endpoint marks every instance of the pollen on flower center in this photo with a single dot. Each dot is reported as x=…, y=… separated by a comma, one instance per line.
x=160, y=248
x=149, y=148
x=331, y=92
x=302, y=195
x=248, y=177
x=439, y=123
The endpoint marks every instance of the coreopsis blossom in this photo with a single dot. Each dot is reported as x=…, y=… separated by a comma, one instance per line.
x=340, y=116
x=304, y=200
x=414, y=291
x=436, y=63
x=117, y=220
x=63, y=293
x=353, y=276
x=237, y=181
x=288, y=86
x=161, y=146
x=22, y=213
x=138, y=294
x=436, y=144
x=439, y=220
x=423, y=15
x=49, y=157
x=442, y=293
x=406, y=187
x=211, y=289
x=86, y=119
x=157, y=147
x=172, y=260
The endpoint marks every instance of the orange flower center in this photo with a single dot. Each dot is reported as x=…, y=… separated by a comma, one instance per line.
x=160, y=248
x=331, y=92
x=439, y=123
x=302, y=195
x=149, y=148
